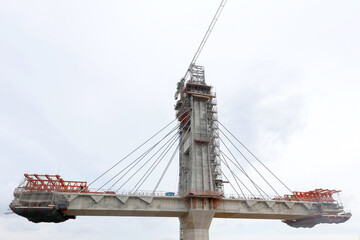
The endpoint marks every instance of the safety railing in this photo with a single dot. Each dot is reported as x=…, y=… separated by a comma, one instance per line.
x=46, y=200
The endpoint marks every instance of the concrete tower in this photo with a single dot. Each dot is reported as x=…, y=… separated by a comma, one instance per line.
x=200, y=181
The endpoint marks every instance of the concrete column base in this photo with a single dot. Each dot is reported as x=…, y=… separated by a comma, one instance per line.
x=195, y=225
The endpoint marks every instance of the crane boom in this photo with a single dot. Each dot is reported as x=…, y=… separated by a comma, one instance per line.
x=207, y=34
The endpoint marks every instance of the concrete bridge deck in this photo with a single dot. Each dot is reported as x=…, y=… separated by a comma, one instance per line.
x=174, y=206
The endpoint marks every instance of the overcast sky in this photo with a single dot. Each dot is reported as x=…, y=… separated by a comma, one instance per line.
x=82, y=83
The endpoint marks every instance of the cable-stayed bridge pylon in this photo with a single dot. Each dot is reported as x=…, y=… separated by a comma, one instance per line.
x=206, y=172
x=196, y=134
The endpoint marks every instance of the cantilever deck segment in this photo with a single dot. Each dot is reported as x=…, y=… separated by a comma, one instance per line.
x=124, y=205
x=149, y=206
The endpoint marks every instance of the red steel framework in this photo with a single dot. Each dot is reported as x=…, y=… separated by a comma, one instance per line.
x=317, y=195
x=50, y=183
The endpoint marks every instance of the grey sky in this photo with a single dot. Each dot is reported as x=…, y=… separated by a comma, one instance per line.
x=84, y=82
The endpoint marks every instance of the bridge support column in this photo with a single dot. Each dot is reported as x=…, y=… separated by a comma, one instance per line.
x=195, y=225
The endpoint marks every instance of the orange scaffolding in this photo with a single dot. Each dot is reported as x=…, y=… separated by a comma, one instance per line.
x=317, y=195
x=50, y=183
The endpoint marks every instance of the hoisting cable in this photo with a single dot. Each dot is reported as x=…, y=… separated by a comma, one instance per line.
x=250, y=163
x=256, y=158
x=207, y=34
x=157, y=161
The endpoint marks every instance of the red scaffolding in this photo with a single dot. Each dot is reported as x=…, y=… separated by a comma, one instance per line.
x=50, y=183
x=317, y=195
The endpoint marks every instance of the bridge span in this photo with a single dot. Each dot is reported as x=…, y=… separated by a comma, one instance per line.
x=201, y=185
x=175, y=206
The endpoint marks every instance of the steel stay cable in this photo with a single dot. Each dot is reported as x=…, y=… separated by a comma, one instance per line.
x=250, y=163
x=242, y=169
x=133, y=162
x=166, y=168
x=142, y=165
x=163, y=156
x=256, y=158
x=139, y=158
x=170, y=140
x=151, y=166
x=157, y=161
x=172, y=157
x=232, y=173
x=257, y=187
x=130, y=153
x=230, y=182
x=224, y=159
x=154, y=165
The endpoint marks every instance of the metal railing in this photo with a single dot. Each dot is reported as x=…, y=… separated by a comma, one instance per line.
x=44, y=199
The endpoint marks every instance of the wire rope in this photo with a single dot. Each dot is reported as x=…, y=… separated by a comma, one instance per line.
x=171, y=159
x=229, y=182
x=241, y=168
x=256, y=157
x=130, y=153
x=224, y=159
x=156, y=163
x=169, y=142
x=166, y=168
x=142, y=165
x=137, y=159
x=250, y=163
x=234, y=176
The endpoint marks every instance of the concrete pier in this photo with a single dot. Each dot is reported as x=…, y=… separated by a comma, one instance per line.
x=196, y=224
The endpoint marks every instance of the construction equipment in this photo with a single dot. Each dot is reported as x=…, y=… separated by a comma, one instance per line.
x=200, y=48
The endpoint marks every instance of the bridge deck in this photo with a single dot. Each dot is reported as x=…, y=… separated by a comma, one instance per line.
x=155, y=206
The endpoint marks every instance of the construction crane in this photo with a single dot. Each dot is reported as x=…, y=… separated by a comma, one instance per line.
x=200, y=48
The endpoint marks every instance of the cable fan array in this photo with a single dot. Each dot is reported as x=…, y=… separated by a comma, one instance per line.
x=152, y=158
x=247, y=176
x=245, y=173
